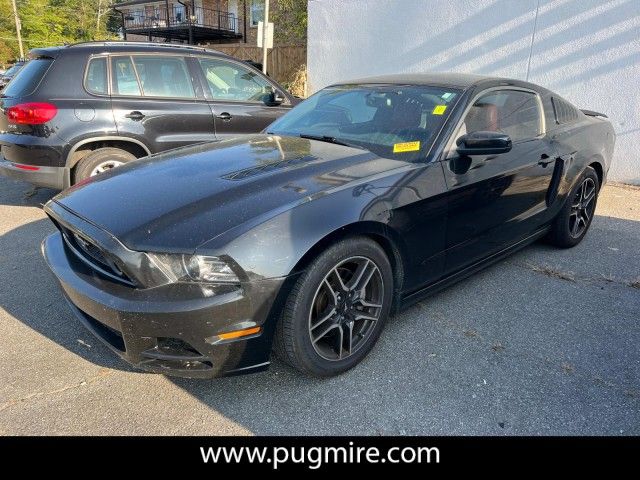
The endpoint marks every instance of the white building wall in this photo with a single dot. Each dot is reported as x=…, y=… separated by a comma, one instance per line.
x=586, y=50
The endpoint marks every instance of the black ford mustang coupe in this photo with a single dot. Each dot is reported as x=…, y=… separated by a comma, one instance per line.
x=361, y=200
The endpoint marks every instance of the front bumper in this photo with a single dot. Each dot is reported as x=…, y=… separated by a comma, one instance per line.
x=50, y=177
x=171, y=329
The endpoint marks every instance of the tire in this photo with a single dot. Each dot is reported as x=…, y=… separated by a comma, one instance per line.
x=100, y=157
x=577, y=208
x=351, y=258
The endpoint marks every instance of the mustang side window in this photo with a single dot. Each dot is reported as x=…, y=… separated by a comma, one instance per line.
x=513, y=112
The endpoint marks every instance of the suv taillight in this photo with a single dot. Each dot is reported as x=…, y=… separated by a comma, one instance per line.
x=31, y=113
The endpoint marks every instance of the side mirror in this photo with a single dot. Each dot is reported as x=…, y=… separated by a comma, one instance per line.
x=483, y=143
x=273, y=98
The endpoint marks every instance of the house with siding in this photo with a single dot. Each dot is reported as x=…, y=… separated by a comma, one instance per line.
x=192, y=21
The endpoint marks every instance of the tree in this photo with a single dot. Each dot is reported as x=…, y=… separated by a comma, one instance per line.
x=290, y=20
x=52, y=22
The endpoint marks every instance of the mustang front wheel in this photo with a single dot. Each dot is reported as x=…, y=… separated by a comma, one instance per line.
x=337, y=308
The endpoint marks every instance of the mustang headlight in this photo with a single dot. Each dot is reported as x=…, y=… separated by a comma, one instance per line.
x=193, y=268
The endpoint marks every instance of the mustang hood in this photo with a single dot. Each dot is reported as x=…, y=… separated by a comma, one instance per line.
x=178, y=200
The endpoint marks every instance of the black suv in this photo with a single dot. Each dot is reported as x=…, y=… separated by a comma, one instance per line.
x=10, y=73
x=74, y=111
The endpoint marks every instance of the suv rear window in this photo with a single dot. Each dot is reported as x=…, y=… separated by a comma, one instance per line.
x=28, y=78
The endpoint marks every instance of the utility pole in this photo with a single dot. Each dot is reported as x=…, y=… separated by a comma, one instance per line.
x=18, y=27
x=97, y=34
x=264, y=36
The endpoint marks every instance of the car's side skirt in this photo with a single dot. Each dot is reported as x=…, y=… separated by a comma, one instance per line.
x=441, y=284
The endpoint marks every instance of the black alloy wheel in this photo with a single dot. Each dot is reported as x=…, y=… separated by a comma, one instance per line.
x=582, y=207
x=345, y=308
x=337, y=308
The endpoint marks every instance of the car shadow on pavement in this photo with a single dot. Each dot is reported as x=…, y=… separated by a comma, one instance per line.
x=30, y=293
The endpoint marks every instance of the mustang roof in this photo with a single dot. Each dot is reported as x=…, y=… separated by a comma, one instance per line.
x=460, y=80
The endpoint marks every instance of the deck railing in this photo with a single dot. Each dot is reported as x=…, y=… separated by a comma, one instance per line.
x=181, y=17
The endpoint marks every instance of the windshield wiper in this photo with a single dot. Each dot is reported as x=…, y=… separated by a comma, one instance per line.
x=329, y=139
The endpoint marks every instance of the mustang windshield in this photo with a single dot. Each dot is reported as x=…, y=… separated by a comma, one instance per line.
x=392, y=121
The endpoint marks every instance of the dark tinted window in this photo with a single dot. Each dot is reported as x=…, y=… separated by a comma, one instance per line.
x=28, y=78
x=230, y=81
x=513, y=112
x=96, y=81
x=164, y=76
x=123, y=77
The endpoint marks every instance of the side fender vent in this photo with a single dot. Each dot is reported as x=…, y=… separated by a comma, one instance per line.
x=558, y=170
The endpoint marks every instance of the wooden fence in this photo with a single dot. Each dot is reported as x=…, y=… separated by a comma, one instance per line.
x=282, y=61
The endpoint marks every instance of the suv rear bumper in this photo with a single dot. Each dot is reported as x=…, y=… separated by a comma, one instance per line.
x=50, y=177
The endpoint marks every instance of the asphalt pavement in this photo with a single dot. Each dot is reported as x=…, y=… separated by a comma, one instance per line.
x=544, y=342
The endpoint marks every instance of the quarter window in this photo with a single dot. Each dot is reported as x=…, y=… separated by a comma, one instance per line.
x=565, y=112
x=513, y=112
x=96, y=81
x=230, y=81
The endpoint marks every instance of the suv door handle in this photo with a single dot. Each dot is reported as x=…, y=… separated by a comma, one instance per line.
x=135, y=115
x=545, y=160
x=224, y=116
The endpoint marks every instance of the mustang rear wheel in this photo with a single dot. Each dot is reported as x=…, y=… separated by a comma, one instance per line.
x=573, y=221
x=337, y=308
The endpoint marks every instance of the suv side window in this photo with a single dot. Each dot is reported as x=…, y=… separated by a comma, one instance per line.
x=231, y=81
x=513, y=112
x=96, y=79
x=123, y=77
x=151, y=76
x=164, y=76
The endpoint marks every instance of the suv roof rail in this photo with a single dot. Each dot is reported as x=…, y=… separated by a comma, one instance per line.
x=142, y=44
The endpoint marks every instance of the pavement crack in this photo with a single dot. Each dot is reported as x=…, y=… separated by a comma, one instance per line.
x=558, y=273
x=102, y=373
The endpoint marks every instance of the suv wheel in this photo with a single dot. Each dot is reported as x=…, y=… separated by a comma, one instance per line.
x=100, y=161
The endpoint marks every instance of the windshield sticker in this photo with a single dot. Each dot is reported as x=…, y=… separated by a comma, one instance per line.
x=406, y=147
x=447, y=96
x=439, y=110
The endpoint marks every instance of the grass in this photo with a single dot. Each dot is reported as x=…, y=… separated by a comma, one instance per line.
x=553, y=272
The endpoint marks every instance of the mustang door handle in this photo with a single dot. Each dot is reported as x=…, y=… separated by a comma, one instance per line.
x=224, y=116
x=135, y=115
x=545, y=160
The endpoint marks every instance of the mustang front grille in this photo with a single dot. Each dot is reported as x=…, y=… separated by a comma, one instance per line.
x=94, y=257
